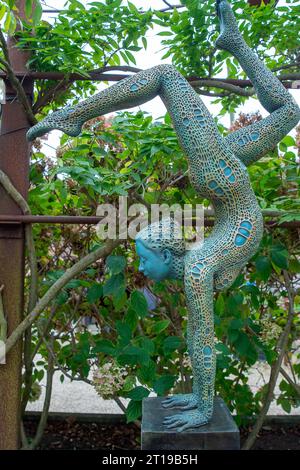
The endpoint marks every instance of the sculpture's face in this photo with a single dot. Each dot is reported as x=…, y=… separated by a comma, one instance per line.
x=155, y=265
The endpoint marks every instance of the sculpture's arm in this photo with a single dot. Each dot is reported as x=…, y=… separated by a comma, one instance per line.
x=252, y=142
x=200, y=302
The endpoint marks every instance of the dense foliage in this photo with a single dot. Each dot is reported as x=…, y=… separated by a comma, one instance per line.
x=139, y=344
x=131, y=154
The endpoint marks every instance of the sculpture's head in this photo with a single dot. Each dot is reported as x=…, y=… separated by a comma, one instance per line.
x=161, y=250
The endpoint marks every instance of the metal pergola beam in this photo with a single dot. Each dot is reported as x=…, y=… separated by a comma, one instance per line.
x=100, y=76
x=14, y=161
x=93, y=220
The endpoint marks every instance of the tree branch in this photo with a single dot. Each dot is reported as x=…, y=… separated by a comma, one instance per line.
x=168, y=4
x=51, y=94
x=295, y=386
x=15, y=195
x=276, y=366
x=72, y=272
x=52, y=292
x=288, y=66
x=223, y=85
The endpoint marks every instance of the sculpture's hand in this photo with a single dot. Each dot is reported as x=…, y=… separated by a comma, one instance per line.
x=187, y=401
x=187, y=420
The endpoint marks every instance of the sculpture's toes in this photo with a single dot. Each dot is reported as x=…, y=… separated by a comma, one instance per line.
x=64, y=120
x=187, y=420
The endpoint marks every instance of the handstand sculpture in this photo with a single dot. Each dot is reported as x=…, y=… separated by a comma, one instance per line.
x=218, y=172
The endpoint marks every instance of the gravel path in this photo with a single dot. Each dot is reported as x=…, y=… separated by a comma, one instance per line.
x=79, y=397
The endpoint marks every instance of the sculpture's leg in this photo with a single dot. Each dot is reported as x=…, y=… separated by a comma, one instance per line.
x=127, y=93
x=193, y=123
x=199, y=294
x=252, y=142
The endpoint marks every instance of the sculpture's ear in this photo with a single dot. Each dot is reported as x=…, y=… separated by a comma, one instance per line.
x=167, y=256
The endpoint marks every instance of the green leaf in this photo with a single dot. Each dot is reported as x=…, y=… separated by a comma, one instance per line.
x=144, y=41
x=124, y=332
x=165, y=33
x=236, y=324
x=94, y=293
x=105, y=346
x=280, y=258
x=147, y=344
x=146, y=373
x=263, y=267
x=28, y=8
x=116, y=264
x=242, y=343
x=133, y=355
x=172, y=343
x=131, y=318
x=130, y=56
x=160, y=326
x=138, y=393
x=163, y=384
x=114, y=285
x=289, y=141
x=233, y=336
x=223, y=348
x=2, y=11
x=7, y=21
x=219, y=304
x=37, y=13
x=133, y=411
x=61, y=298
x=139, y=303
x=285, y=404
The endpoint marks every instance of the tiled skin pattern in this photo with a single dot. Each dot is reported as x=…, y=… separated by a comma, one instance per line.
x=218, y=172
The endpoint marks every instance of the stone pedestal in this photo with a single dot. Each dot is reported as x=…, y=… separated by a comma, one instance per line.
x=220, y=434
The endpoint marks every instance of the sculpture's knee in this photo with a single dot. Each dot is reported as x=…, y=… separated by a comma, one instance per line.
x=292, y=113
x=166, y=68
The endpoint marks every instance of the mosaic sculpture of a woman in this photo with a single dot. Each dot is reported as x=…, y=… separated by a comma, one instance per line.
x=218, y=172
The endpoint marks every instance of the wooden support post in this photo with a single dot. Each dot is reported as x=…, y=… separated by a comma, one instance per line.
x=14, y=161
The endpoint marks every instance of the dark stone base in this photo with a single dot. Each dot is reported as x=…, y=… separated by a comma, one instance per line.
x=220, y=434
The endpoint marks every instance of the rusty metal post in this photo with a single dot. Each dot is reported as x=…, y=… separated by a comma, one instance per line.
x=14, y=161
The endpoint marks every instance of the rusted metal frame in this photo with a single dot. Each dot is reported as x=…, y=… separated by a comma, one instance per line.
x=98, y=76
x=93, y=220
x=14, y=161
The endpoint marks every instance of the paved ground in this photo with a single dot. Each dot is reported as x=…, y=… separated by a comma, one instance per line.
x=79, y=397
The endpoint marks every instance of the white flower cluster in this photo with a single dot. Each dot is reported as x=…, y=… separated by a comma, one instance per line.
x=109, y=379
x=35, y=392
x=186, y=362
x=270, y=331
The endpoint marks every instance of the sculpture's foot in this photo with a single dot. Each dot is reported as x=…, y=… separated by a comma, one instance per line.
x=186, y=401
x=186, y=420
x=64, y=120
x=229, y=32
